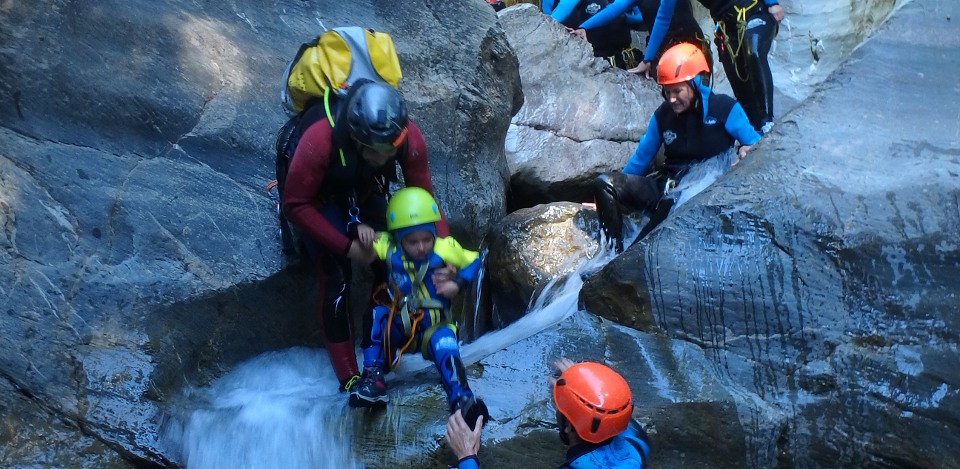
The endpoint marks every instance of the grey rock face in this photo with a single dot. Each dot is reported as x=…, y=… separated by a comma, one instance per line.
x=530, y=247
x=580, y=118
x=820, y=274
x=139, y=250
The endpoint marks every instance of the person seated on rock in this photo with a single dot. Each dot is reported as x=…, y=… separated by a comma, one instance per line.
x=594, y=417
x=669, y=22
x=693, y=125
x=611, y=41
x=414, y=308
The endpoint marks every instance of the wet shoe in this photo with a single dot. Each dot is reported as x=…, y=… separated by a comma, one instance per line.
x=608, y=211
x=766, y=128
x=471, y=408
x=348, y=385
x=371, y=391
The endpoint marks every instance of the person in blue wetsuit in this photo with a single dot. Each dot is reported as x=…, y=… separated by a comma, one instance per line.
x=693, y=125
x=668, y=21
x=744, y=32
x=594, y=417
x=413, y=313
x=611, y=41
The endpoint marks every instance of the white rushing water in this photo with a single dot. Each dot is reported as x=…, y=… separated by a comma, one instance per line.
x=283, y=410
x=278, y=410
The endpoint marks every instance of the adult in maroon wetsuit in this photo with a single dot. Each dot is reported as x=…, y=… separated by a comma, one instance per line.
x=336, y=192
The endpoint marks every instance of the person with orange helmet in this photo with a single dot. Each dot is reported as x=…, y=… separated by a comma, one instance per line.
x=692, y=125
x=594, y=408
x=744, y=34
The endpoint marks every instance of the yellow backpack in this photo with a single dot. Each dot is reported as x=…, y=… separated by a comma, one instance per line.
x=336, y=60
x=323, y=71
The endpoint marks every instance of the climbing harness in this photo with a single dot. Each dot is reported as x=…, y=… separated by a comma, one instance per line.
x=723, y=41
x=627, y=56
x=411, y=310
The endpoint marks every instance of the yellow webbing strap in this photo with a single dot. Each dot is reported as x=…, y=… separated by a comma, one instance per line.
x=425, y=342
x=741, y=30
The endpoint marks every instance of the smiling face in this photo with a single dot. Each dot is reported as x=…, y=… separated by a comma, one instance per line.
x=417, y=245
x=680, y=96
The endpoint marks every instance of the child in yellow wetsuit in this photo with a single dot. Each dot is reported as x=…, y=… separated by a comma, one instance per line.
x=417, y=319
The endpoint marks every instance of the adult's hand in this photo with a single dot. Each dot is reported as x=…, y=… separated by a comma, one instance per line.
x=462, y=440
x=366, y=235
x=581, y=33
x=643, y=69
x=445, y=273
x=777, y=12
x=741, y=153
x=560, y=364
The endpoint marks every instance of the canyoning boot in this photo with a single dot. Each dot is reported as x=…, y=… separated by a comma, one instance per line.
x=608, y=211
x=470, y=408
x=372, y=390
x=350, y=383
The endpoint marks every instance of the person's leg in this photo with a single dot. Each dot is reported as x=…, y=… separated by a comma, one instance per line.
x=441, y=345
x=759, y=34
x=445, y=351
x=333, y=305
x=635, y=192
x=609, y=214
x=735, y=59
x=373, y=353
x=372, y=388
x=373, y=212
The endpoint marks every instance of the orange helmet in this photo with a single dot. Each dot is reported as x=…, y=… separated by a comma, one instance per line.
x=681, y=63
x=595, y=399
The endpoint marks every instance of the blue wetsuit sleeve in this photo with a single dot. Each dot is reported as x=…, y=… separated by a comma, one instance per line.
x=547, y=7
x=466, y=261
x=739, y=126
x=634, y=17
x=563, y=9
x=770, y=3
x=646, y=150
x=608, y=14
x=469, y=462
x=468, y=273
x=659, y=29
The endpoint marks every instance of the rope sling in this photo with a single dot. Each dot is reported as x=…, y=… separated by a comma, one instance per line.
x=721, y=32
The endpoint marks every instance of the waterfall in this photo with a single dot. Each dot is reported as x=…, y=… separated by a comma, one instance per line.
x=278, y=410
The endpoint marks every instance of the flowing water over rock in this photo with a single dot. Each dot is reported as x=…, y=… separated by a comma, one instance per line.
x=283, y=409
x=278, y=410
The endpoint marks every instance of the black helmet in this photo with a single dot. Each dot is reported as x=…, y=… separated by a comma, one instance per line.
x=377, y=117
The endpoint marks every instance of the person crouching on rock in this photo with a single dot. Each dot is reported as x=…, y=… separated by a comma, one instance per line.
x=413, y=315
x=594, y=417
x=693, y=125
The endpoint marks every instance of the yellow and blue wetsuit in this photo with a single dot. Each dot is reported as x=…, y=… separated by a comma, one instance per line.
x=433, y=334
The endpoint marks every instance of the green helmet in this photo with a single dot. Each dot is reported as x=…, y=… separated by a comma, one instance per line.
x=411, y=206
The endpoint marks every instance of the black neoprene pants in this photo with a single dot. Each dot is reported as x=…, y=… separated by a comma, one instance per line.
x=745, y=62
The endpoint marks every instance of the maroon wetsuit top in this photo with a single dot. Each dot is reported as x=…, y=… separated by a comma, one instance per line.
x=305, y=178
